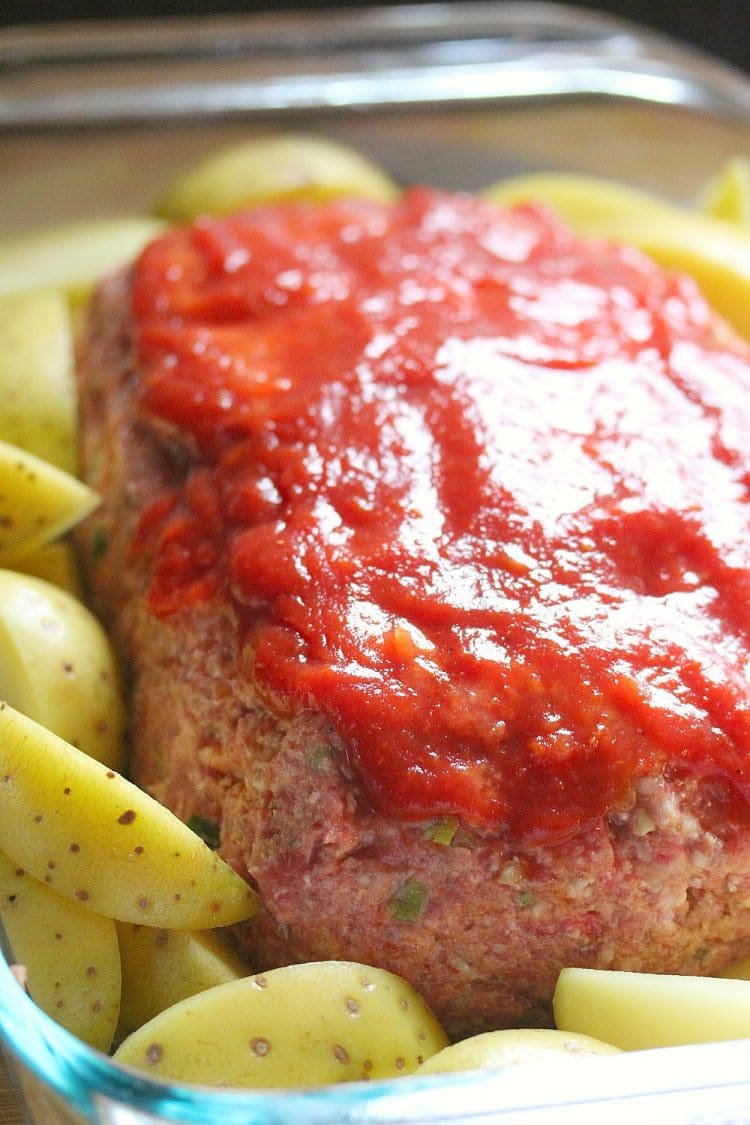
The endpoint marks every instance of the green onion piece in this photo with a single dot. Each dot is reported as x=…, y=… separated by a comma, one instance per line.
x=98, y=543
x=443, y=830
x=409, y=901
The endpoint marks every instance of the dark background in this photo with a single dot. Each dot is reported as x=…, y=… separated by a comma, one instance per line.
x=721, y=26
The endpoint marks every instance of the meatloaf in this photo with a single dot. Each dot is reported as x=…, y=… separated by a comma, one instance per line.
x=424, y=540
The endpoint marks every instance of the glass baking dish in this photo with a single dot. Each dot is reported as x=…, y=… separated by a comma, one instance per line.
x=96, y=120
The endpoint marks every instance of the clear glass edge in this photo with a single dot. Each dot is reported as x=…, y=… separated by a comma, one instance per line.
x=539, y=50
x=681, y=1081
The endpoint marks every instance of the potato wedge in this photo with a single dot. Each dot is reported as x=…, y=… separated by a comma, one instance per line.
x=716, y=254
x=636, y=1011
x=103, y=842
x=70, y=954
x=304, y=1025
x=38, y=502
x=727, y=195
x=72, y=257
x=53, y=562
x=162, y=967
x=57, y=666
x=497, y=1049
x=277, y=169
x=37, y=385
x=584, y=201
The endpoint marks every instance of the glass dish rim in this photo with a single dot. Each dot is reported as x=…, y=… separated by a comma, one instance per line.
x=90, y=1081
x=534, y=50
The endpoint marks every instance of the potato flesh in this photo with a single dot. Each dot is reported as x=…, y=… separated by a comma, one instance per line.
x=102, y=841
x=636, y=1011
x=70, y=954
x=304, y=1025
x=57, y=667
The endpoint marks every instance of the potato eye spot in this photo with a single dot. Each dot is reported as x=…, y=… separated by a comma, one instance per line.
x=260, y=1046
x=341, y=1054
x=127, y=817
x=352, y=1006
x=154, y=1053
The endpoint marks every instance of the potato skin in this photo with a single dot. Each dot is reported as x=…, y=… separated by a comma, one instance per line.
x=70, y=954
x=57, y=667
x=97, y=839
x=496, y=1049
x=303, y=1025
x=161, y=967
x=287, y=168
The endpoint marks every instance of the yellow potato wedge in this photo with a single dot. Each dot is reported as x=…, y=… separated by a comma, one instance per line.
x=70, y=954
x=584, y=201
x=304, y=1025
x=37, y=385
x=53, y=562
x=162, y=967
x=72, y=257
x=727, y=195
x=102, y=841
x=715, y=253
x=276, y=169
x=497, y=1049
x=57, y=666
x=38, y=502
x=636, y=1011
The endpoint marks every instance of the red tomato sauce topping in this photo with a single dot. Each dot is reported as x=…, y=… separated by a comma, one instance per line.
x=480, y=490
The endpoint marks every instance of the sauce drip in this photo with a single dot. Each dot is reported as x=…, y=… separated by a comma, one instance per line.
x=480, y=489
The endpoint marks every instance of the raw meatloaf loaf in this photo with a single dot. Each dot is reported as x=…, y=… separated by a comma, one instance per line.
x=424, y=539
